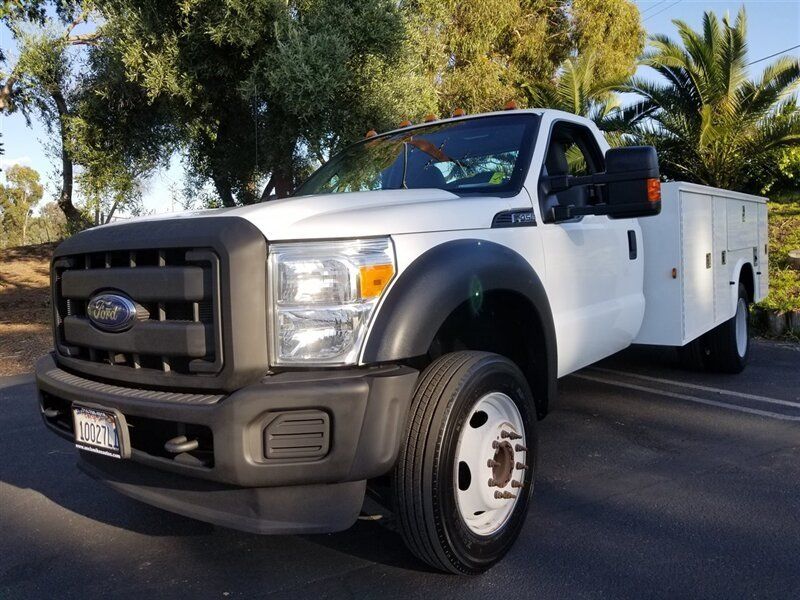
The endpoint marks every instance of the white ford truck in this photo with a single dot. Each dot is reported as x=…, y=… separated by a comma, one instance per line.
x=400, y=323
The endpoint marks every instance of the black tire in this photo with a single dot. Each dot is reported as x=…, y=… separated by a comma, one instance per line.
x=692, y=356
x=723, y=353
x=424, y=479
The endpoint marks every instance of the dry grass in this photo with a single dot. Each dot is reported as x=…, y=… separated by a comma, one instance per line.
x=24, y=307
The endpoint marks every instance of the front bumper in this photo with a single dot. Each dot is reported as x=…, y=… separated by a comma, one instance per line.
x=363, y=412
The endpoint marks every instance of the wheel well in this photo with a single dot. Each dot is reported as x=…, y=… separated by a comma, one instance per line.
x=506, y=323
x=747, y=279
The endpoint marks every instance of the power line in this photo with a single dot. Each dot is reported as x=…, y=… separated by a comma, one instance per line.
x=651, y=7
x=773, y=55
x=666, y=8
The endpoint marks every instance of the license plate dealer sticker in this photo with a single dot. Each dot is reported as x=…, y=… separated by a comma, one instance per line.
x=96, y=431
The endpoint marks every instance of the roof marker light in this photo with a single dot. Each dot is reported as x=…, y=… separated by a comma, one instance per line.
x=429, y=117
x=459, y=112
x=511, y=105
x=405, y=123
x=371, y=133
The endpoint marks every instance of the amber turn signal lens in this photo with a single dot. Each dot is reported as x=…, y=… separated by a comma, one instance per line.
x=374, y=278
x=510, y=105
x=429, y=117
x=405, y=123
x=371, y=133
x=459, y=112
x=654, y=190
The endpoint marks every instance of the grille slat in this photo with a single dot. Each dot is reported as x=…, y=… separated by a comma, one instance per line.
x=177, y=309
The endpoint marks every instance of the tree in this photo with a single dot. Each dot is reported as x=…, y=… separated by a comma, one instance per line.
x=42, y=80
x=710, y=123
x=49, y=225
x=580, y=90
x=18, y=197
x=481, y=53
x=259, y=91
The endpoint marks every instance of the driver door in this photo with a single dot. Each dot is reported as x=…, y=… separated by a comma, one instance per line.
x=593, y=268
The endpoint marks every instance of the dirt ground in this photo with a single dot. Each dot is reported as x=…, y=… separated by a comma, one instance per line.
x=24, y=307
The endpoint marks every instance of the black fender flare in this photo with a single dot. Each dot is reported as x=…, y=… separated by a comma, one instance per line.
x=441, y=280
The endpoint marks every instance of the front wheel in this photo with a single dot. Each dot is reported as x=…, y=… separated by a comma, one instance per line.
x=464, y=476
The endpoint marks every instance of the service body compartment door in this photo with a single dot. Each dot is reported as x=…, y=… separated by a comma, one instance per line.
x=742, y=224
x=762, y=269
x=702, y=236
x=721, y=264
x=697, y=261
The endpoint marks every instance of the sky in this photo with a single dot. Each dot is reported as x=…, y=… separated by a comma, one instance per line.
x=773, y=26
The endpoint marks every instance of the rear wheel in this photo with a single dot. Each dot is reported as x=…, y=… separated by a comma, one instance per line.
x=728, y=344
x=464, y=476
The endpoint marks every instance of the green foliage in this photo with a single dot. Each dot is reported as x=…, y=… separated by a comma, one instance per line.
x=611, y=32
x=49, y=225
x=786, y=183
x=117, y=134
x=257, y=91
x=709, y=122
x=43, y=80
x=578, y=89
x=784, y=235
x=18, y=196
x=481, y=53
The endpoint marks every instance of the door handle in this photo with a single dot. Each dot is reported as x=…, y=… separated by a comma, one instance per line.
x=632, y=250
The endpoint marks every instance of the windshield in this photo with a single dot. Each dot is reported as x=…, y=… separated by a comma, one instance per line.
x=480, y=155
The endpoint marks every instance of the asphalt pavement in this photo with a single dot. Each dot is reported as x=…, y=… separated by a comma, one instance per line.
x=653, y=482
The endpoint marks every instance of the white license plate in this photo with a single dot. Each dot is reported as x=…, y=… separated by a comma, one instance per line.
x=96, y=431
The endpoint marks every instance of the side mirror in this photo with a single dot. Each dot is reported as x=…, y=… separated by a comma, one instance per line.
x=629, y=187
x=633, y=187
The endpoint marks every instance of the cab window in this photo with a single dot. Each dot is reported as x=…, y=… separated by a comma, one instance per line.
x=571, y=150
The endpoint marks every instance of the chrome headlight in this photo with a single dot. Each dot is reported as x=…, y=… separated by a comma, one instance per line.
x=322, y=296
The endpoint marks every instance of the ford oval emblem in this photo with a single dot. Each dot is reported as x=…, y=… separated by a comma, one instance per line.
x=111, y=312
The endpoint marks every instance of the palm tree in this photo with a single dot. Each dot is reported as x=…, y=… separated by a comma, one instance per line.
x=710, y=123
x=576, y=89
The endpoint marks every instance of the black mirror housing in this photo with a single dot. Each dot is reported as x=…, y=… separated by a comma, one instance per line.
x=633, y=187
x=630, y=186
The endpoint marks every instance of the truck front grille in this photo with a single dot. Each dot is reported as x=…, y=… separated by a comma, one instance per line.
x=199, y=289
x=177, y=296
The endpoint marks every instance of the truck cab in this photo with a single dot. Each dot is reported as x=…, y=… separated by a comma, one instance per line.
x=400, y=322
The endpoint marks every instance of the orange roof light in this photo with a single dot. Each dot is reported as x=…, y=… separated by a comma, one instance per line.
x=653, y=190
x=405, y=123
x=429, y=117
x=459, y=112
x=371, y=133
x=511, y=105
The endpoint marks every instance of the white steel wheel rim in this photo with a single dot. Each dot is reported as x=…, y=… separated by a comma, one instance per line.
x=487, y=493
x=741, y=327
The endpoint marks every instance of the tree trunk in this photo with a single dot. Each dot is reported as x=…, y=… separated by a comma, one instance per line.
x=224, y=190
x=6, y=91
x=283, y=185
x=75, y=219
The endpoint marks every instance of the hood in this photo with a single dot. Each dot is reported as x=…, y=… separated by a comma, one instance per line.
x=361, y=214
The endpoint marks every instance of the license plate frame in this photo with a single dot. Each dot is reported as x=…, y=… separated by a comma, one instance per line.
x=84, y=413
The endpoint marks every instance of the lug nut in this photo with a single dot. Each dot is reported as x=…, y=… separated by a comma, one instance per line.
x=520, y=448
x=492, y=463
x=504, y=495
x=492, y=482
x=516, y=484
x=521, y=465
x=510, y=435
x=495, y=444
